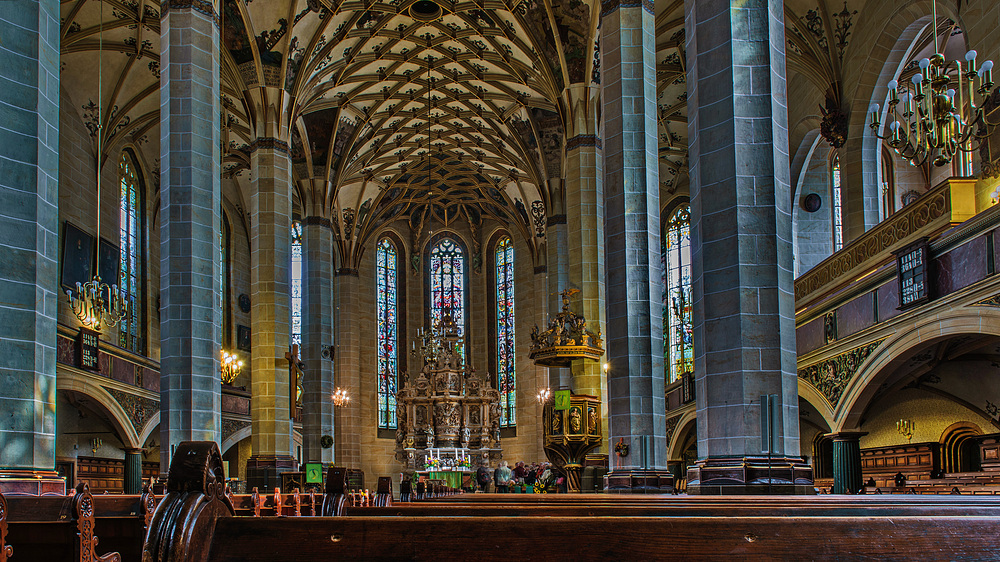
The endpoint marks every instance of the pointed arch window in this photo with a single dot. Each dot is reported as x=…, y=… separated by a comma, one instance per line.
x=838, y=215
x=130, y=239
x=447, y=283
x=888, y=184
x=386, y=291
x=505, y=359
x=295, y=284
x=678, y=340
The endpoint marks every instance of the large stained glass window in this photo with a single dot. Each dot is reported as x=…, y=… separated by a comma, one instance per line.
x=385, y=296
x=130, y=247
x=678, y=341
x=447, y=271
x=838, y=215
x=506, y=381
x=295, y=284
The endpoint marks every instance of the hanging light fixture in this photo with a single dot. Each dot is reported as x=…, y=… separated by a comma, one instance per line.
x=96, y=303
x=935, y=115
x=544, y=395
x=230, y=366
x=340, y=397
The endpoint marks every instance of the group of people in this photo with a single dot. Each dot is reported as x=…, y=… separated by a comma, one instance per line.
x=536, y=477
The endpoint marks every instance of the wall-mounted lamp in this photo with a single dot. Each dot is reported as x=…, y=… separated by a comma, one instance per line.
x=906, y=428
x=544, y=395
x=230, y=367
x=95, y=444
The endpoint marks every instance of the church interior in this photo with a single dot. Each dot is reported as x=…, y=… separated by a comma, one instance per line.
x=413, y=238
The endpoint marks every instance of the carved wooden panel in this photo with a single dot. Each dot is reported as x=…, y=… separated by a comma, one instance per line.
x=101, y=475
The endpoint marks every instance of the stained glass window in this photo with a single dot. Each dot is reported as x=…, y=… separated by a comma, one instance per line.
x=385, y=296
x=506, y=382
x=678, y=341
x=295, y=284
x=447, y=270
x=838, y=224
x=130, y=248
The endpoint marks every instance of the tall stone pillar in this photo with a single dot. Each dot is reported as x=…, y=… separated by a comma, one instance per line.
x=133, y=471
x=632, y=233
x=744, y=324
x=270, y=262
x=556, y=270
x=29, y=228
x=585, y=247
x=847, y=478
x=191, y=219
x=347, y=419
x=317, y=337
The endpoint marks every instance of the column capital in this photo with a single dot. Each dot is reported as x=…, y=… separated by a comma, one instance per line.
x=317, y=221
x=206, y=7
x=610, y=6
x=580, y=141
x=846, y=435
x=269, y=143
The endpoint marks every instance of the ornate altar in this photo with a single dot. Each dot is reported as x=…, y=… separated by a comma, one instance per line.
x=566, y=339
x=572, y=433
x=448, y=417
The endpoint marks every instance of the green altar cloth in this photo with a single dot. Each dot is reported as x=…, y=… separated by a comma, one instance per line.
x=452, y=478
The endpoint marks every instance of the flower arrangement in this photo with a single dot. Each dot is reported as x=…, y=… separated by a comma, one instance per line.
x=433, y=463
x=465, y=462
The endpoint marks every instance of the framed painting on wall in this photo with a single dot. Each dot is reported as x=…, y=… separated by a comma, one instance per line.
x=77, y=256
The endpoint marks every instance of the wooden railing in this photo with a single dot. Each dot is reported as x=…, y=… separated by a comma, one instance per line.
x=950, y=203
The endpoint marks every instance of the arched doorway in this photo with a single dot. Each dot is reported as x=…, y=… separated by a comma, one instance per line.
x=959, y=448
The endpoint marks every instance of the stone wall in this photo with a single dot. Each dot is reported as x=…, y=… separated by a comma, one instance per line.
x=930, y=413
x=377, y=453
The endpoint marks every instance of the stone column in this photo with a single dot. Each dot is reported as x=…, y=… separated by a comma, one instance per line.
x=585, y=248
x=133, y=471
x=317, y=336
x=270, y=262
x=744, y=324
x=556, y=271
x=347, y=419
x=191, y=219
x=632, y=240
x=847, y=477
x=29, y=228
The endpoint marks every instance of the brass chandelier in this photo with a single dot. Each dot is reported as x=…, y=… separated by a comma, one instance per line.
x=96, y=303
x=937, y=114
x=230, y=367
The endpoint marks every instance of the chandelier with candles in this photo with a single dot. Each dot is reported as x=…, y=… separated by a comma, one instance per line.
x=937, y=115
x=95, y=302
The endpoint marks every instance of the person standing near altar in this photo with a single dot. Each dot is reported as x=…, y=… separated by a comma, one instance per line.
x=502, y=477
x=483, y=478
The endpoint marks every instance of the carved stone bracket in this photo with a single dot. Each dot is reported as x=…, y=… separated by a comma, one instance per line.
x=231, y=426
x=831, y=376
x=138, y=408
x=990, y=301
x=672, y=426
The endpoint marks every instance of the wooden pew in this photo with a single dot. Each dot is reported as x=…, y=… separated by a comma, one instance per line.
x=6, y=550
x=196, y=522
x=66, y=527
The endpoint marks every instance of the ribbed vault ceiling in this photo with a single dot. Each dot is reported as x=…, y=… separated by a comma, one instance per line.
x=392, y=111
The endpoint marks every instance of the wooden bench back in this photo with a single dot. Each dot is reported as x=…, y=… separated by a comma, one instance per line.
x=879, y=527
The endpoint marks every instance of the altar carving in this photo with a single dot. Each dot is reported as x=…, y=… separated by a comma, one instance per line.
x=448, y=417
